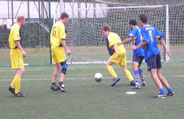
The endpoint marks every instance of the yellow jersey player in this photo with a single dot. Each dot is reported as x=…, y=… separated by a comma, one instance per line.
x=117, y=55
x=16, y=56
x=58, y=49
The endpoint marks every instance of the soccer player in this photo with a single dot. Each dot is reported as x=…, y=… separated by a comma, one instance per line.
x=138, y=55
x=152, y=56
x=117, y=55
x=58, y=48
x=17, y=54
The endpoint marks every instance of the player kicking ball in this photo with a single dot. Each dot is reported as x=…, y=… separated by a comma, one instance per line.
x=58, y=49
x=138, y=55
x=117, y=55
x=17, y=54
x=152, y=56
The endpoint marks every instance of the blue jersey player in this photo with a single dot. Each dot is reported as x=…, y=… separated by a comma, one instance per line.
x=138, y=55
x=152, y=55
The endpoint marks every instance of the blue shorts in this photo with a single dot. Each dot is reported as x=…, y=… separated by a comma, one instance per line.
x=154, y=62
x=138, y=59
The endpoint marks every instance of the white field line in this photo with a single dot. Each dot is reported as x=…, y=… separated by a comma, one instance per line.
x=85, y=78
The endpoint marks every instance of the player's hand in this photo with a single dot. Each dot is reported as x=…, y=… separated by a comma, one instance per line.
x=133, y=47
x=116, y=56
x=24, y=53
x=168, y=52
x=119, y=43
x=68, y=52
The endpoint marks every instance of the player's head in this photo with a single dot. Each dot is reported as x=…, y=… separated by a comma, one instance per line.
x=106, y=30
x=20, y=20
x=64, y=17
x=132, y=23
x=143, y=19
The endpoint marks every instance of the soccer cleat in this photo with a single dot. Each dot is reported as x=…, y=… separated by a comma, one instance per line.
x=12, y=90
x=19, y=95
x=115, y=81
x=61, y=88
x=160, y=96
x=144, y=84
x=132, y=83
x=170, y=94
x=54, y=87
x=137, y=86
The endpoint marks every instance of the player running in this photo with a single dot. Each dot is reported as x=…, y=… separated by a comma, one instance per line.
x=17, y=54
x=138, y=55
x=117, y=55
x=152, y=55
x=58, y=48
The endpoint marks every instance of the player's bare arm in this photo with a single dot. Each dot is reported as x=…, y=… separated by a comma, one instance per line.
x=116, y=51
x=125, y=41
x=139, y=46
x=165, y=48
x=65, y=47
x=20, y=47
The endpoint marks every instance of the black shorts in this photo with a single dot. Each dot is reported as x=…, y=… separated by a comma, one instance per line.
x=154, y=62
x=138, y=59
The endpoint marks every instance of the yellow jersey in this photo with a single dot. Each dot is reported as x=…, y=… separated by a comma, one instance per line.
x=57, y=34
x=14, y=35
x=114, y=39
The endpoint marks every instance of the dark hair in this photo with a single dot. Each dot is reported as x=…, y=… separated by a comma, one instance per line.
x=106, y=28
x=143, y=18
x=133, y=22
x=64, y=15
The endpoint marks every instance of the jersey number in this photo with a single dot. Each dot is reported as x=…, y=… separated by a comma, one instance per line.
x=54, y=31
x=151, y=35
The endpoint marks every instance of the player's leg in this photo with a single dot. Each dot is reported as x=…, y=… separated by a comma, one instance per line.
x=128, y=75
x=18, y=64
x=123, y=64
x=112, y=72
x=54, y=77
x=141, y=72
x=165, y=83
x=162, y=78
x=135, y=66
x=152, y=67
x=63, y=71
x=18, y=76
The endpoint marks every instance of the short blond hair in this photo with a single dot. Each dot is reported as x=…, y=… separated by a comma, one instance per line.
x=20, y=18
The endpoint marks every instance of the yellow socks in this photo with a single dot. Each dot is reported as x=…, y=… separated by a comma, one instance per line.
x=129, y=76
x=16, y=83
x=112, y=72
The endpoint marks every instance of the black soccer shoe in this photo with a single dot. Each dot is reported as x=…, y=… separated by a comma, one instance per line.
x=170, y=94
x=160, y=96
x=54, y=87
x=61, y=88
x=144, y=84
x=19, y=95
x=12, y=90
x=132, y=83
x=115, y=81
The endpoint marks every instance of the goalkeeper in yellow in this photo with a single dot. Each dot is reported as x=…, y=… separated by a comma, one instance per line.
x=117, y=55
x=16, y=56
x=58, y=49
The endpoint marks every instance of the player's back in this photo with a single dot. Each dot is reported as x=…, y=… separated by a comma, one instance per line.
x=150, y=35
x=114, y=39
x=137, y=39
x=57, y=33
x=14, y=35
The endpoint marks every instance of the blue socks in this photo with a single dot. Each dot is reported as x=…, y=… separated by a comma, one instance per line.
x=141, y=74
x=162, y=91
x=170, y=90
x=136, y=74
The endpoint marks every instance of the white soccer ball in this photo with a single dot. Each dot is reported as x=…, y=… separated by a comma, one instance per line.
x=98, y=77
